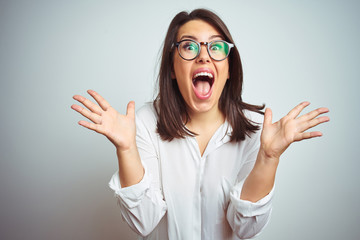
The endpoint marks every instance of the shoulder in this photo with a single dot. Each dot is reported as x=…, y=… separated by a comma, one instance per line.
x=252, y=140
x=146, y=115
x=146, y=111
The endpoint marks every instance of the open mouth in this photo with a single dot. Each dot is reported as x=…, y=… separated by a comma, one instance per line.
x=202, y=84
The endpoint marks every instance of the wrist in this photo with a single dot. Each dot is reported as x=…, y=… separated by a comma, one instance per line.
x=264, y=157
x=126, y=146
x=130, y=150
x=261, y=178
x=131, y=170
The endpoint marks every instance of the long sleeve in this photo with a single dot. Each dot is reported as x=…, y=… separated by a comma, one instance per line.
x=142, y=205
x=202, y=192
x=248, y=219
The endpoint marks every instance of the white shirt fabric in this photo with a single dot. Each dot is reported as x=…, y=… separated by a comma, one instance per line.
x=184, y=195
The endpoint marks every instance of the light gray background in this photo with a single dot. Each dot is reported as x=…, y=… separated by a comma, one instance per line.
x=54, y=173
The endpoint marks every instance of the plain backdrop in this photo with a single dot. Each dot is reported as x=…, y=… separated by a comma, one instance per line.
x=54, y=174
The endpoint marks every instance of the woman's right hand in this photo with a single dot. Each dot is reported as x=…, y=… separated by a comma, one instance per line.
x=119, y=129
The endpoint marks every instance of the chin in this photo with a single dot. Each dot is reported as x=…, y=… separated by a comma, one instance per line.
x=203, y=106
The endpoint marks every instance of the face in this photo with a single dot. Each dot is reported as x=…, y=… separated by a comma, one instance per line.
x=201, y=80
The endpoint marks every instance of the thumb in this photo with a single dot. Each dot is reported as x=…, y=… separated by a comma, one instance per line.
x=130, y=111
x=267, y=117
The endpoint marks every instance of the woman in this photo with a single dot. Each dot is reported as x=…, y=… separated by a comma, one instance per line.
x=195, y=165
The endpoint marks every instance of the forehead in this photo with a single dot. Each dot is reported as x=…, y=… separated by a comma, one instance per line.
x=198, y=29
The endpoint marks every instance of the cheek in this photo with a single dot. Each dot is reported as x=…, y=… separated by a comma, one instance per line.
x=227, y=69
x=176, y=71
x=181, y=70
x=178, y=75
x=224, y=71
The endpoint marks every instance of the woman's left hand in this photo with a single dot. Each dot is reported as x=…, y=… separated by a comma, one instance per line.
x=276, y=137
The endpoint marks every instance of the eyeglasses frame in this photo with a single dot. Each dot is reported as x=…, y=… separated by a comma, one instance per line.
x=207, y=44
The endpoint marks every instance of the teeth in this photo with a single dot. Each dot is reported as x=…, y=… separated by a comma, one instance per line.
x=204, y=74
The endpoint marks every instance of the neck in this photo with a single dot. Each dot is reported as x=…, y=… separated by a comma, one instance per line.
x=205, y=120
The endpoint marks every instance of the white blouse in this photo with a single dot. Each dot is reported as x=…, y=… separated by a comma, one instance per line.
x=184, y=195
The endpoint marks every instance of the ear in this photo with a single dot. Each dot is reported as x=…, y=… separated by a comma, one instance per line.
x=228, y=76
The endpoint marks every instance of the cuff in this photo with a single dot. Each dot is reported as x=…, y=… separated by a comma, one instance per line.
x=130, y=196
x=249, y=209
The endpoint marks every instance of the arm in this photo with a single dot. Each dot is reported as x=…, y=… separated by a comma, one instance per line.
x=246, y=218
x=250, y=206
x=142, y=205
x=135, y=184
x=119, y=129
x=275, y=139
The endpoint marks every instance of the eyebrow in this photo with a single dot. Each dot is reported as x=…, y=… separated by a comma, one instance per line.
x=195, y=38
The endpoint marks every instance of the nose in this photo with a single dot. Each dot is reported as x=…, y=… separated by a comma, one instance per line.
x=203, y=55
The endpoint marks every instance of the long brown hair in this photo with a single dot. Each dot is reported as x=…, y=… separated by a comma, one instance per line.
x=169, y=103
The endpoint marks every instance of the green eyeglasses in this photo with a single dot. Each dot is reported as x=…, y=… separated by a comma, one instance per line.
x=218, y=50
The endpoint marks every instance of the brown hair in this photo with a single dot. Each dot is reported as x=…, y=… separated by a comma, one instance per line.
x=169, y=103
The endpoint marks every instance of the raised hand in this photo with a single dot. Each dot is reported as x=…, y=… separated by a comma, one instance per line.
x=276, y=137
x=119, y=129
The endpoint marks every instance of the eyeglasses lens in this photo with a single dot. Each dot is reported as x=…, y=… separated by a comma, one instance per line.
x=218, y=50
x=188, y=49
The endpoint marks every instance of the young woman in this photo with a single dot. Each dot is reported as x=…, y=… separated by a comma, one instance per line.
x=194, y=164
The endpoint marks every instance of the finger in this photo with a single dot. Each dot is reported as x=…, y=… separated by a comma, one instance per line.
x=313, y=114
x=91, y=126
x=307, y=135
x=267, y=116
x=312, y=123
x=296, y=110
x=99, y=99
x=87, y=103
x=130, y=111
x=86, y=113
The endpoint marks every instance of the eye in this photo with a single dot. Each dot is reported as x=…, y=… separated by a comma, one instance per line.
x=217, y=46
x=189, y=46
